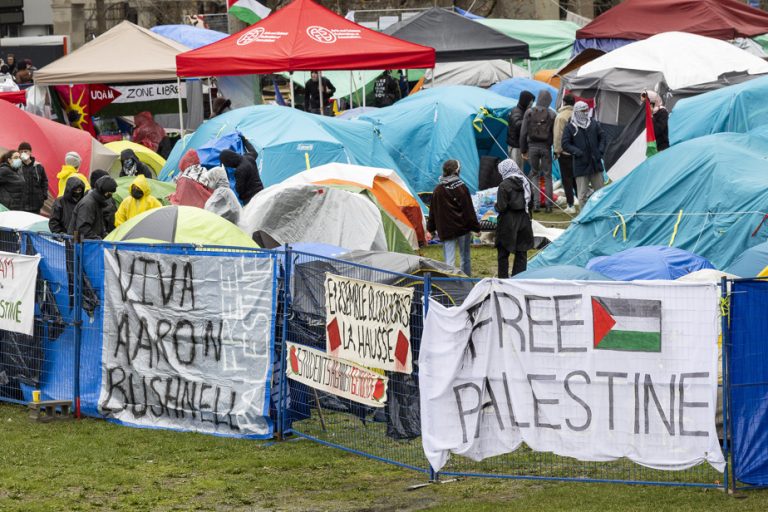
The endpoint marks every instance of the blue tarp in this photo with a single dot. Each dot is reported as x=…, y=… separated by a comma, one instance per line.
x=467, y=14
x=566, y=272
x=606, y=45
x=512, y=87
x=189, y=36
x=707, y=195
x=749, y=381
x=425, y=129
x=736, y=108
x=285, y=138
x=647, y=263
x=751, y=262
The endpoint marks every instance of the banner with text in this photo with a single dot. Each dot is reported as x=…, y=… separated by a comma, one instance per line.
x=591, y=371
x=369, y=323
x=18, y=275
x=187, y=342
x=318, y=370
x=138, y=93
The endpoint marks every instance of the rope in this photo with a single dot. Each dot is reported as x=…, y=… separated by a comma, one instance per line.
x=677, y=225
x=622, y=224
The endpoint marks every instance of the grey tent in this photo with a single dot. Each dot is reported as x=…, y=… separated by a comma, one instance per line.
x=456, y=38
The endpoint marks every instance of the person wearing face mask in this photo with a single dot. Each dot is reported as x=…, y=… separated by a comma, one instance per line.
x=13, y=188
x=130, y=165
x=140, y=200
x=88, y=216
x=64, y=206
x=35, y=178
x=110, y=209
x=71, y=167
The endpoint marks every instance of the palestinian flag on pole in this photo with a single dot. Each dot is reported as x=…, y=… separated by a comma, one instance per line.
x=650, y=135
x=632, y=325
x=248, y=11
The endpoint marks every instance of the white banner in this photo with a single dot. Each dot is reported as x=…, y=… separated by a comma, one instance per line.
x=369, y=323
x=187, y=342
x=148, y=92
x=18, y=275
x=594, y=371
x=318, y=370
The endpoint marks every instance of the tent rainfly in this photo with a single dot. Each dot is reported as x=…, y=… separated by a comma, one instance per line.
x=303, y=36
x=456, y=38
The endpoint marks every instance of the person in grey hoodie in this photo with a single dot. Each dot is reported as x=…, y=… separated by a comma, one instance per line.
x=536, y=137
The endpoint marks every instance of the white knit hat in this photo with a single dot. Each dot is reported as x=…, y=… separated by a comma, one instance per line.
x=73, y=159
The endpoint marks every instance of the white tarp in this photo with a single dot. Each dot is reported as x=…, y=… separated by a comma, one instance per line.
x=479, y=73
x=591, y=370
x=18, y=275
x=187, y=342
x=684, y=59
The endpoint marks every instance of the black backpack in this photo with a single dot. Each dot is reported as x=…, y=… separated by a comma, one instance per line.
x=539, y=125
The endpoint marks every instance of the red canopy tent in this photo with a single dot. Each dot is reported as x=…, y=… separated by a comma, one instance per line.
x=303, y=36
x=641, y=19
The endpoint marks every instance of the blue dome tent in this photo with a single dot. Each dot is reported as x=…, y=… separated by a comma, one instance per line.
x=512, y=87
x=646, y=263
x=565, y=272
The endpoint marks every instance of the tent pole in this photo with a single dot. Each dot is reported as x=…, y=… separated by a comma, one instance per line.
x=290, y=80
x=363, y=84
x=433, y=78
x=210, y=96
x=320, y=88
x=350, y=89
x=511, y=68
x=181, y=115
x=528, y=63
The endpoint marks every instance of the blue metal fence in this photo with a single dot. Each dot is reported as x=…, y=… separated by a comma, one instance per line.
x=63, y=361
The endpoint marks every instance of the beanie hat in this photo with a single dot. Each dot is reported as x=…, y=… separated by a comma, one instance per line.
x=106, y=184
x=95, y=175
x=73, y=159
x=25, y=146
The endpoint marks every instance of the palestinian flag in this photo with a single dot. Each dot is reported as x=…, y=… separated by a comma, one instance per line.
x=632, y=325
x=650, y=135
x=248, y=11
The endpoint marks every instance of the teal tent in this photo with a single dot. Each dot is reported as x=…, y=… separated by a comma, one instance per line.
x=550, y=42
x=288, y=139
x=736, y=108
x=707, y=196
x=458, y=122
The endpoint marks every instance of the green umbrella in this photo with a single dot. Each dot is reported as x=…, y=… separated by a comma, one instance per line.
x=160, y=189
x=183, y=225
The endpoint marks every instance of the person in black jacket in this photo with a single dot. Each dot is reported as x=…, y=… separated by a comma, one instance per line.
x=536, y=137
x=88, y=216
x=35, y=177
x=130, y=165
x=110, y=209
x=247, y=180
x=514, y=233
x=312, y=93
x=64, y=206
x=13, y=188
x=516, y=124
x=453, y=216
x=660, y=118
x=386, y=91
x=585, y=141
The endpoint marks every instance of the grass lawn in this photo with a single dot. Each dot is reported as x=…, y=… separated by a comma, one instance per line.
x=96, y=465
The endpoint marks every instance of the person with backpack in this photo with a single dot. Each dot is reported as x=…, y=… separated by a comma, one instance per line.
x=514, y=232
x=564, y=159
x=586, y=142
x=536, y=137
x=385, y=90
x=515, y=124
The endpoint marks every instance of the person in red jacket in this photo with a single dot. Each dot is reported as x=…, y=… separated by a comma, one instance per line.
x=453, y=216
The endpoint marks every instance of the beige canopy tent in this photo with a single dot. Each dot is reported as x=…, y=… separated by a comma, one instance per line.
x=126, y=53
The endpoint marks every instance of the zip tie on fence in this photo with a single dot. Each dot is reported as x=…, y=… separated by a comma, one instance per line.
x=677, y=225
x=725, y=307
x=622, y=224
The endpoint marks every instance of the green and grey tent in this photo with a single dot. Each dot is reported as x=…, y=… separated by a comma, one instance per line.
x=181, y=225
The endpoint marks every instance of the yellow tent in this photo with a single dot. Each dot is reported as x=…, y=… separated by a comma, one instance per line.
x=146, y=155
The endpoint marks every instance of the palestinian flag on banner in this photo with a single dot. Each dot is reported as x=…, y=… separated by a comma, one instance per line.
x=650, y=135
x=248, y=11
x=626, y=324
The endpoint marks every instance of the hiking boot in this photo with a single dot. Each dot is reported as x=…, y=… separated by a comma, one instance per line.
x=570, y=211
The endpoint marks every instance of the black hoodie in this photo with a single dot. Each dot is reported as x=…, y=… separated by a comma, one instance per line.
x=64, y=206
x=516, y=118
x=247, y=180
x=37, y=185
x=141, y=167
x=88, y=217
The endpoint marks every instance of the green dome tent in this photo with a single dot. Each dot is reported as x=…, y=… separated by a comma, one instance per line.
x=182, y=225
